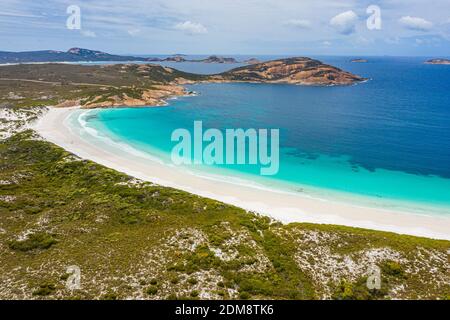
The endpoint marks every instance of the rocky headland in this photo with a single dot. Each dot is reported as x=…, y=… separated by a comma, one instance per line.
x=300, y=71
x=134, y=85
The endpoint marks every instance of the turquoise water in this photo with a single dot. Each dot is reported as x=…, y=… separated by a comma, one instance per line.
x=385, y=142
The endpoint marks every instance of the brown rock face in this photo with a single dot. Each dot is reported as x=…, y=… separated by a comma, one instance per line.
x=155, y=96
x=302, y=71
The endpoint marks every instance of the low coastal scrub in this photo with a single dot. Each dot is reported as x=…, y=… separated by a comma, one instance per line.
x=44, y=289
x=132, y=239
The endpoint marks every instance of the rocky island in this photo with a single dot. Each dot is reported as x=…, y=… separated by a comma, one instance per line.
x=217, y=59
x=175, y=58
x=438, y=61
x=359, y=60
x=210, y=59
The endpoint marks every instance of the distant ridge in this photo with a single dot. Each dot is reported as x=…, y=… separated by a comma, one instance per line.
x=72, y=55
x=87, y=55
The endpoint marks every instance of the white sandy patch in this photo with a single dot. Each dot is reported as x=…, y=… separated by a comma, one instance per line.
x=281, y=206
x=13, y=121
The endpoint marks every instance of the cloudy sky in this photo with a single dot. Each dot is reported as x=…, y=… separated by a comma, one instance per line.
x=282, y=27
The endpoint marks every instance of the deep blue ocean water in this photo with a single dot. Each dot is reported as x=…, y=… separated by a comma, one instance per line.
x=386, y=139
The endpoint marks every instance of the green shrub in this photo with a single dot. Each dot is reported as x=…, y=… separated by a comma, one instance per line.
x=34, y=241
x=110, y=296
x=358, y=291
x=152, y=290
x=202, y=258
x=244, y=296
x=44, y=289
x=256, y=286
x=393, y=268
x=194, y=294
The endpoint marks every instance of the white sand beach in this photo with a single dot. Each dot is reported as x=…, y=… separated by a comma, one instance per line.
x=282, y=206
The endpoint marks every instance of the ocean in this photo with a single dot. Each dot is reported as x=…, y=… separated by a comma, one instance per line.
x=384, y=143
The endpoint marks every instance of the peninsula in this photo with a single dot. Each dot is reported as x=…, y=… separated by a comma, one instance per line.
x=130, y=84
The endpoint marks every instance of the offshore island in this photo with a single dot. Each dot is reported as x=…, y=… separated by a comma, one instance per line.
x=438, y=61
x=136, y=239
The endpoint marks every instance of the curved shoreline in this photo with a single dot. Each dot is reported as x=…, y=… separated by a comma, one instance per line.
x=236, y=177
x=284, y=207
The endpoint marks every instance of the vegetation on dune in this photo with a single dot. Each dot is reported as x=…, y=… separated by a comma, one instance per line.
x=133, y=239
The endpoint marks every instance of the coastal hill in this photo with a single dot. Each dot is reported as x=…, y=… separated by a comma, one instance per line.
x=130, y=84
x=438, y=61
x=95, y=86
x=301, y=70
x=252, y=61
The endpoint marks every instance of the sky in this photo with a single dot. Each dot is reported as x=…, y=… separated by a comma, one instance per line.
x=259, y=27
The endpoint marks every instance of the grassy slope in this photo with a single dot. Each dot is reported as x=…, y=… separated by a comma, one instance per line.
x=67, y=82
x=114, y=75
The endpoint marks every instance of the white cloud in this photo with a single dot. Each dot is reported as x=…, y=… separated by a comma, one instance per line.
x=433, y=41
x=134, y=31
x=363, y=40
x=89, y=34
x=298, y=23
x=415, y=23
x=19, y=15
x=190, y=27
x=345, y=22
x=326, y=43
x=392, y=40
